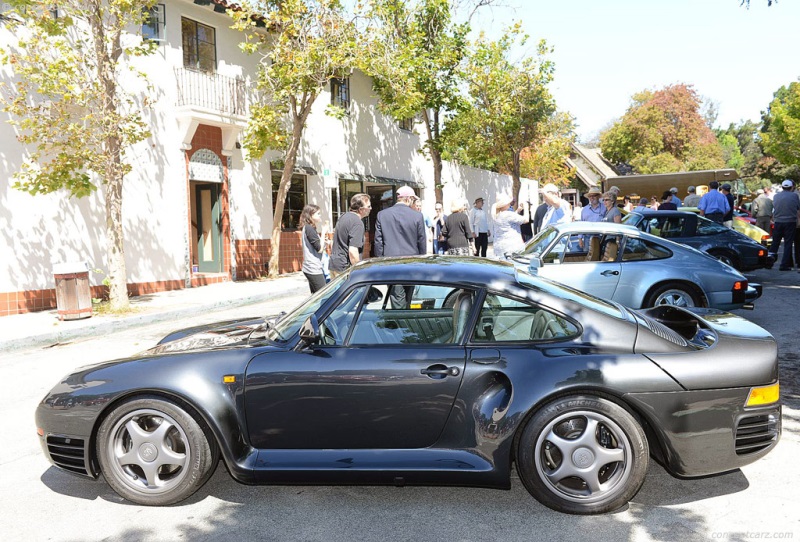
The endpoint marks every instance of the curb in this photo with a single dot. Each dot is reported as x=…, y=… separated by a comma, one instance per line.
x=55, y=338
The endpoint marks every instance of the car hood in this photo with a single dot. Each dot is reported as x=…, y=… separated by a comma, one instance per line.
x=230, y=333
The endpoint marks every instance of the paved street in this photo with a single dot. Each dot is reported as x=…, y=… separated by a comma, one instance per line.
x=41, y=503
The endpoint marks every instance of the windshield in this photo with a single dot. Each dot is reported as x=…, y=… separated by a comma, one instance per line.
x=538, y=244
x=287, y=326
x=570, y=294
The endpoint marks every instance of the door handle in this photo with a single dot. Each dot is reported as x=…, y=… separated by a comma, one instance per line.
x=608, y=273
x=440, y=371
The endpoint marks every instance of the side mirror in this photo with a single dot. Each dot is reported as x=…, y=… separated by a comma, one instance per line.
x=309, y=331
x=534, y=264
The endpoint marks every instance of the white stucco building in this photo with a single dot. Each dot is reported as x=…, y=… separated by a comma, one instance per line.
x=196, y=210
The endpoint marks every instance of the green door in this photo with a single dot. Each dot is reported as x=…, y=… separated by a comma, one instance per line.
x=209, y=228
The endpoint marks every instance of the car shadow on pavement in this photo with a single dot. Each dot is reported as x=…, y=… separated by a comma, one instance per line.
x=333, y=513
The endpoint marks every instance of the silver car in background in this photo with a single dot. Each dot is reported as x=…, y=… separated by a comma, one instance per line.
x=636, y=269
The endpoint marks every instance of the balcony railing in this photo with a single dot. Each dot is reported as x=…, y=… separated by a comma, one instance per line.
x=211, y=91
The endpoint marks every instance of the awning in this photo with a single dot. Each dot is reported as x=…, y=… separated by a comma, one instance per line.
x=377, y=179
x=300, y=170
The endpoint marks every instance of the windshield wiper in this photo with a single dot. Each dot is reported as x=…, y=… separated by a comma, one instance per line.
x=266, y=325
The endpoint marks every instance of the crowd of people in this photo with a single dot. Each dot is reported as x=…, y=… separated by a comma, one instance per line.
x=404, y=230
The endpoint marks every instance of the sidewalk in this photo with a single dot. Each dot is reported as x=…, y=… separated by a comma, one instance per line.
x=44, y=328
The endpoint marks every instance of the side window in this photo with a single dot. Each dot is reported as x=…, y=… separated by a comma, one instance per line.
x=340, y=93
x=639, y=249
x=336, y=325
x=199, y=46
x=153, y=25
x=672, y=227
x=503, y=319
x=709, y=227
x=413, y=314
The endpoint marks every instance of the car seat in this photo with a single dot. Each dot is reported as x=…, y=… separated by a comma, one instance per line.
x=610, y=252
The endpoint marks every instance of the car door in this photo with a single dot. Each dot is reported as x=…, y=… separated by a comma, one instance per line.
x=598, y=276
x=378, y=380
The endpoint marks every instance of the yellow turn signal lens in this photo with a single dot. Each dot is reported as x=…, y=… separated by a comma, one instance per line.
x=229, y=379
x=764, y=395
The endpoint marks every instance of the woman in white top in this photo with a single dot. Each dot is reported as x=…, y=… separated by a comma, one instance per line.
x=507, y=238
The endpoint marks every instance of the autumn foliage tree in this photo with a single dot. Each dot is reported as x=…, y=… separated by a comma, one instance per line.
x=663, y=131
x=77, y=105
x=305, y=44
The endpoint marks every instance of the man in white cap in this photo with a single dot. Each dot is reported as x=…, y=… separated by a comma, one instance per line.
x=400, y=231
x=786, y=213
x=558, y=210
x=762, y=210
x=675, y=199
x=692, y=199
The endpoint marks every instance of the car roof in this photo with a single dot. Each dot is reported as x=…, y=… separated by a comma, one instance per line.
x=435, y=267
x=651, y=212
x=597, y=227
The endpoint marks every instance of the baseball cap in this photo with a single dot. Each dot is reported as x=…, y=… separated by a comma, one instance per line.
x=726, y=186
x=788, y=183
x=673, y=190
x=691, y=189
x=760, y=191
x=406, y=192
x=549, y=187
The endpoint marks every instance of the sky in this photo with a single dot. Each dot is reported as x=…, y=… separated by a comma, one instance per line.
x=607, y=50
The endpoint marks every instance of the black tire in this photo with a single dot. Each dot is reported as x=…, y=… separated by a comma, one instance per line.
x=676, y=294
x=582, y=455
x=152, y=452
x=727, y=258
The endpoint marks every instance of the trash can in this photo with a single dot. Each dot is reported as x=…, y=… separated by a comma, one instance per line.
x=73, y=297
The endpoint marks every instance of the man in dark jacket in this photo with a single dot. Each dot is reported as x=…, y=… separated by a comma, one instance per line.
x=400, y=231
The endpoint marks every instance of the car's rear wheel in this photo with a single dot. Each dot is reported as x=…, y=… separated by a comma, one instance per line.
x=673, y=294
x=726, y=258
x=582, y=455
x=152, y=452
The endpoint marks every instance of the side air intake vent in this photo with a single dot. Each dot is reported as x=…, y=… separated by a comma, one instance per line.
x=755, y=433
x=68, y=453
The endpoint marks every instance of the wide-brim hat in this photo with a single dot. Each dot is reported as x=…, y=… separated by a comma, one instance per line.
x=594, y=192
x=503, y=200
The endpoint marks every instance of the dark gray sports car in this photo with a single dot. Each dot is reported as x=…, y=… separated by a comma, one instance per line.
x=428, y=370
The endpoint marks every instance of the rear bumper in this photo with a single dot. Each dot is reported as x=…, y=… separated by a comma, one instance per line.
x=708, y=431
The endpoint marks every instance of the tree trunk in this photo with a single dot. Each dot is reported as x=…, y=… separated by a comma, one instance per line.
x=113, y=171
x=298, y=123
x=117, y=272
x=432, y=130
x=515, y=174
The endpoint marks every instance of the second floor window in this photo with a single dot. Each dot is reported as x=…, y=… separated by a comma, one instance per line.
x=153, y=26
x=199, y=46
x=406, y=124
x=340, y=93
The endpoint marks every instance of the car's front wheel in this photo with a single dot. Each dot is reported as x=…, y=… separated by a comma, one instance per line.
x=152, y=452
x=582, y=455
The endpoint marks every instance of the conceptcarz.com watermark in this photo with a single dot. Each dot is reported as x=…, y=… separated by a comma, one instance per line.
x=752, y=535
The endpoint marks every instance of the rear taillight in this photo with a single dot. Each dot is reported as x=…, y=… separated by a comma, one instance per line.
x=739, y=291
